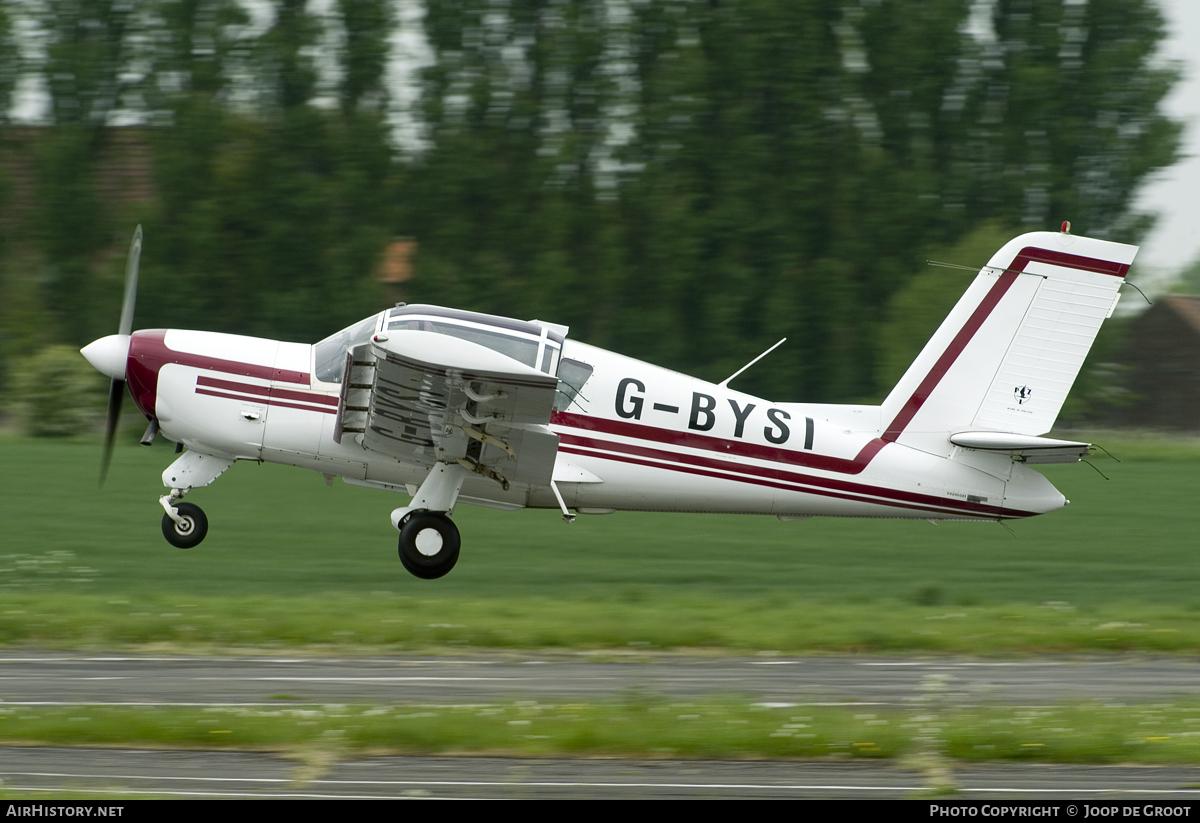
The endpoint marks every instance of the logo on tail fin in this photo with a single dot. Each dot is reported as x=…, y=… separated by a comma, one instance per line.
x=1021, y=394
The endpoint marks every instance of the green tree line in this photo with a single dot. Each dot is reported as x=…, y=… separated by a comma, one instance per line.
x=684, y=182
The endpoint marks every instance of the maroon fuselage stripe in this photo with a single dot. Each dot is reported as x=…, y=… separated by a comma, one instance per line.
x=820, y=484
x=761, y=481
x=273, y=391
x=691, y=440
x=269, y=402
x=229, y=385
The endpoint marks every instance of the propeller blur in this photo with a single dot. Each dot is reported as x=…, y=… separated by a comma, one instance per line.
x=109, y=354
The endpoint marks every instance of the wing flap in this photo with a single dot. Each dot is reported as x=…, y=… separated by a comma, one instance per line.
x=439, y=398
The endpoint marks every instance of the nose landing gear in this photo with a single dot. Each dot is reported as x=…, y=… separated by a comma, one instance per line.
x=184, y=525
x=187, y=529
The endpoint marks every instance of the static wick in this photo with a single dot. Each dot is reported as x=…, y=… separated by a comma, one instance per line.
x=1106, y=451
x=1139, y=291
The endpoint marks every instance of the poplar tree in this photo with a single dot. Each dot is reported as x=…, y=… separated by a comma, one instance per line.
x=87, y=50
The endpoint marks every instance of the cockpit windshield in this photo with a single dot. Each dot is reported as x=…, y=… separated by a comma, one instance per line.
x=330, y=354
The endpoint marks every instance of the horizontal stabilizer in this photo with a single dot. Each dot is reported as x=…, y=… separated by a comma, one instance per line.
x=1025, y=448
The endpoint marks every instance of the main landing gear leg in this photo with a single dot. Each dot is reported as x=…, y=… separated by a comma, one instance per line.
x=429, y=540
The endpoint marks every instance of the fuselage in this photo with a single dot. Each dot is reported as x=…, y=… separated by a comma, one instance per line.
x=637, y=437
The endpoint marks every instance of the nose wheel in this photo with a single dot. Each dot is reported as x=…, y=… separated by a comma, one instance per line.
x=188, y=530
x=429, y=544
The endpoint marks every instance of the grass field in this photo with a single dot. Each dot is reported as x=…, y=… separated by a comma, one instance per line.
x=639, y=726
x=291, y=562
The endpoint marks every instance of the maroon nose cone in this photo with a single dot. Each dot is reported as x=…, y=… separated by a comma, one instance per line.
x=147, y=354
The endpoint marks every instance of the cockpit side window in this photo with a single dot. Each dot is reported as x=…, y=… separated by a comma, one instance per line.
x=572, y=374
x=329, y=356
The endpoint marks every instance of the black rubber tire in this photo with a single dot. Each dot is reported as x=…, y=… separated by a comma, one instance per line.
x=185, y=538
x=432, y=559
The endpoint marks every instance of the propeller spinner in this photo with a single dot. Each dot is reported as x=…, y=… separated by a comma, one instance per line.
x=110, y=354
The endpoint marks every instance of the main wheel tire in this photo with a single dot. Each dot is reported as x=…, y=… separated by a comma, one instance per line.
x=191, y=532
x=429, y=544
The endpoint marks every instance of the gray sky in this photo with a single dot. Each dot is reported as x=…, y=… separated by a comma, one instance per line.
x=1174, y=194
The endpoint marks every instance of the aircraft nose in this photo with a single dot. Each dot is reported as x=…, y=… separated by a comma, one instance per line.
x=108, y=355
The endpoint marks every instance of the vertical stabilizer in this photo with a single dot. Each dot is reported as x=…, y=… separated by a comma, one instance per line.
x=1008, y=353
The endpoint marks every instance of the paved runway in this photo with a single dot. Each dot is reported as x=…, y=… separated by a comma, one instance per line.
x=48, y=678
x=196, y=775
x=130, y=679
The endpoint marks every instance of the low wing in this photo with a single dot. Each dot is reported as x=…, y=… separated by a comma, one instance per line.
x=423, y=397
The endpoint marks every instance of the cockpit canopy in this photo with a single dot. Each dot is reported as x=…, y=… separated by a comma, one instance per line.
x=538, y=345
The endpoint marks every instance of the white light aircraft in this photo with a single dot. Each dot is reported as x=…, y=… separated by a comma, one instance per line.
x=454, y=407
